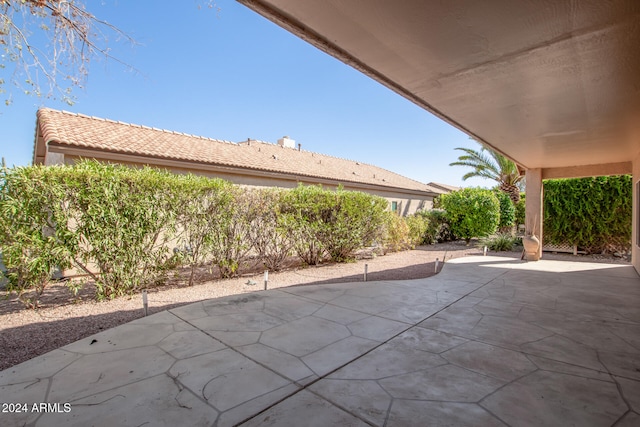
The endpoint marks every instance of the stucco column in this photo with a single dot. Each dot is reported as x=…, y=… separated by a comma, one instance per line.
x=533, y=205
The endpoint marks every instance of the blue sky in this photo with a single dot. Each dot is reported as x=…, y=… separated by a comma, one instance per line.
x=231, y=74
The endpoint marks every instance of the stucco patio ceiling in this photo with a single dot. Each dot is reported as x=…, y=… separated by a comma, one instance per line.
x=551, y=84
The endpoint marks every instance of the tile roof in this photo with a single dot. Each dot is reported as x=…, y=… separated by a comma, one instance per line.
x=73, y=130
x=444, y=187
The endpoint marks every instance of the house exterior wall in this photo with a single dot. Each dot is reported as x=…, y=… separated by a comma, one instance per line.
x=408, y=202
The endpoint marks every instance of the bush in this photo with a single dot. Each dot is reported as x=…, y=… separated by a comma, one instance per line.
x=507, y=211
x=472, y=212
x=438, y=229
x=202, y=209
x=121, y=220
x=520, y=210
x=396, y=233
x=32, y=246
x=592, y=213
x=501, y=242
x=417, y=225
x=231, y=235
x=269, y=236
x=335, y=223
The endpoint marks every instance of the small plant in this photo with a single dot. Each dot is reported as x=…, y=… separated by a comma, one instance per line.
x=501, y=242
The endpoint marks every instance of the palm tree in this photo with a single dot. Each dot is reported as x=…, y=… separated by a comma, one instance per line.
x=490, y=164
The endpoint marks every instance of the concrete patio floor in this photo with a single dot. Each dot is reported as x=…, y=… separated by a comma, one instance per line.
x=489, y=341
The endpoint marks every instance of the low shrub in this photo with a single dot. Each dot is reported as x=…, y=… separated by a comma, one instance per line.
x=501, y=242
x=121, y=220
x=118, y=225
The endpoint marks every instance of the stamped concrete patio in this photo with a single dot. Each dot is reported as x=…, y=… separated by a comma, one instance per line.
x=490, y=341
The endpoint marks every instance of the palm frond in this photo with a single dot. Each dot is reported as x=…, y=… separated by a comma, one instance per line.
x=489, y=164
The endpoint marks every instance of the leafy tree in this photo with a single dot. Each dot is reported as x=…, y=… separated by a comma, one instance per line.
x=72, y=36
x=489, y=164
x=472, y=212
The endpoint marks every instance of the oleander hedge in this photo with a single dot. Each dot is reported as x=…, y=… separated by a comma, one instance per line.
x=126, y=227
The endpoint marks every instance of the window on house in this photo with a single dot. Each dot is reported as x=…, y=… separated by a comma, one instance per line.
x=394, y=206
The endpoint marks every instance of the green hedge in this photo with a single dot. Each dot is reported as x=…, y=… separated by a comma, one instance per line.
x=118, y=225
x=471, y=212
x=593, y=213
x=507, y=211
x=335, y=223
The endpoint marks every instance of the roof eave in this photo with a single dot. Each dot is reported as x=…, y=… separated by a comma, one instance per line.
x=89, y=152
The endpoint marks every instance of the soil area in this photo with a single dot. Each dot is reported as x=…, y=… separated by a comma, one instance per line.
x=63, y=317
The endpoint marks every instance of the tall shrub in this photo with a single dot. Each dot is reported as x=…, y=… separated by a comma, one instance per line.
x=507, y=211
x=32, y=242
x=122, y=219
x=353, y=220
x=472, y=212
x=269, y=234
x=302, y=214
x=335, y=223
x=593, y=213
x=231, y=235
x=202, y=209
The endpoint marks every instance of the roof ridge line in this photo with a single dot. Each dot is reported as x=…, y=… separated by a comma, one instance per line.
x=205, y=138
x=339, y=158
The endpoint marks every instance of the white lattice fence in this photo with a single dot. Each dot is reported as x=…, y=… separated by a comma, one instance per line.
x=563, y=248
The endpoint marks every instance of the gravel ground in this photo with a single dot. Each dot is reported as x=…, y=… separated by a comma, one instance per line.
x=64, y=318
